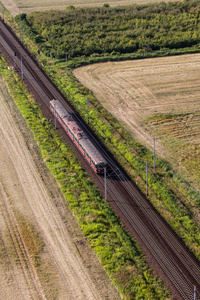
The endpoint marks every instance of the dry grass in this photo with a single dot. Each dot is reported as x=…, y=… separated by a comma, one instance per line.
x=28, y=6
x=157, y=97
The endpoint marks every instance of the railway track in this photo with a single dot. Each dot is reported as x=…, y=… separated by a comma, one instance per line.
x=152, y=232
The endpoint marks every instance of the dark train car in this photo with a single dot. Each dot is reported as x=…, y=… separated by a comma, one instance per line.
x=80, y=139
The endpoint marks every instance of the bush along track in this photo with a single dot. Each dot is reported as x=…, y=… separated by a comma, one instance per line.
x=116, y=249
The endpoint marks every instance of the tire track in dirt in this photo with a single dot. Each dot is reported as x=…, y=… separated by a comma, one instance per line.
x=79, y=274
x=22, y=256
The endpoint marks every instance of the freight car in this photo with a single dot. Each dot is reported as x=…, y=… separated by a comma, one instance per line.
x=79, y=137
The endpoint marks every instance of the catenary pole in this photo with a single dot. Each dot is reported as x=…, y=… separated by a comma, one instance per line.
x=105, y=184
x=154, y=153
x=195, y=293
x=55, y=115
x=22, y=69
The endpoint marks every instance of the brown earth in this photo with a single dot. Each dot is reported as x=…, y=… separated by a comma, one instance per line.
x=69, y=268
x=135, y=91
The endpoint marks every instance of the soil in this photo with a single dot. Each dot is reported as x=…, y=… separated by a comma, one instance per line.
x=28, y=189
x=133, y=91
x=11, y=6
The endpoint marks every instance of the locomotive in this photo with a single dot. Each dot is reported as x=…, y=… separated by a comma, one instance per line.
x=78, y=136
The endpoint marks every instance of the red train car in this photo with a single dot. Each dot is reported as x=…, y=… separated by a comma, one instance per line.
x=80, y=139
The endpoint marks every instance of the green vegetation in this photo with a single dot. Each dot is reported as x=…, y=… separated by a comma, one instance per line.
x=116, y=249
x=117, y=33
x=174, y=198
x=98, y=35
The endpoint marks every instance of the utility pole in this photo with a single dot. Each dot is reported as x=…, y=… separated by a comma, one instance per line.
x=195, y=293
x=105, y=183
x=22, y=69
x=15, y=55
x=154, y=153
x=147, y=179
x=55, y=114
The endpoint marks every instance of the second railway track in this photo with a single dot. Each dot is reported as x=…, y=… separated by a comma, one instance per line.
x=179, y=268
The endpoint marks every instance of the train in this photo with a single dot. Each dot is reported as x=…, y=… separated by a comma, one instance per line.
x=79, y=137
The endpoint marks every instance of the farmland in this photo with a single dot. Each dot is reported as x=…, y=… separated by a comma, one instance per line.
x=159, y=97
x=154, y=98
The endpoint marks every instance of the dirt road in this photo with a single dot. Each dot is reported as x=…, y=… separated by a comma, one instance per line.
x=70, y=269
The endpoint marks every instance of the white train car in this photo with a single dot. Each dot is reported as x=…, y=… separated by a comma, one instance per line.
x=81, y=140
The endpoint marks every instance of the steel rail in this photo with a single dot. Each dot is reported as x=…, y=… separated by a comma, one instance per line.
x=159, y=254
x=43, y=86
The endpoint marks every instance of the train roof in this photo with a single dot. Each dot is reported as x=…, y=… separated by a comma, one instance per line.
x=60, y=109
x=92, y=151
x=79, y=134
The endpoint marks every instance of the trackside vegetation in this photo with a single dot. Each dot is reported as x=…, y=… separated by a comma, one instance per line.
x=116, y=249
x=175, y=199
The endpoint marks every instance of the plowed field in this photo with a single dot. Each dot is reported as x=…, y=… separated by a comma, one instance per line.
x=154, y=98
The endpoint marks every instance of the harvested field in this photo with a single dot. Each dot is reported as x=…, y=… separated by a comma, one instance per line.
x=43, y=254
x=28, y=6
x=154, y=98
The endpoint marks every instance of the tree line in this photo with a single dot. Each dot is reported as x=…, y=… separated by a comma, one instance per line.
x=85, y=32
